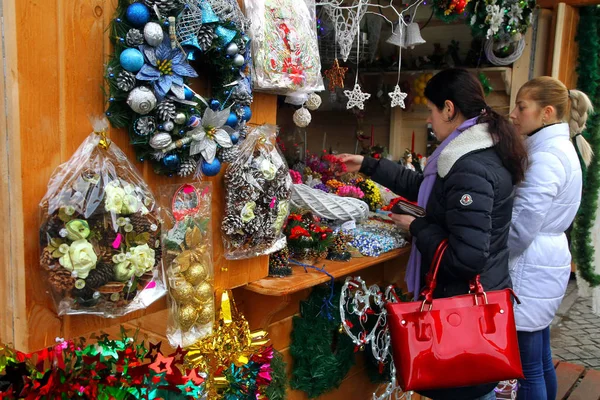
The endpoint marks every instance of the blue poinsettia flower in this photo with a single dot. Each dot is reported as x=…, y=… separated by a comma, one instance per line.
x=165, y=68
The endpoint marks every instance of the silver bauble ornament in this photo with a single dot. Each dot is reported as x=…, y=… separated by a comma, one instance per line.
x=160, y=141
x=313, y=102
x=141, y=100
x=238, y=60
x=232, y=49
x=153, y=34
x=302, y=117
x=180, y=118
x=169, y=125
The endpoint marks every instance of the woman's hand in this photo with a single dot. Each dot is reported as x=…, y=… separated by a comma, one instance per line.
x=402, y=221
x=352, y=161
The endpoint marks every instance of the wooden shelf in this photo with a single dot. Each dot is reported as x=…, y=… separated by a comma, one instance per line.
x=300, y=280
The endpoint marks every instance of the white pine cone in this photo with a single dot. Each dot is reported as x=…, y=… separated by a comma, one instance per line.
x=206, y=35
x=166, y=110
x=126, y=81
x=134, y=38
x=164, y=6
x=144, y=126
x=187, y=167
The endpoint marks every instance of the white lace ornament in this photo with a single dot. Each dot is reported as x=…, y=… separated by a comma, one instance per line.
x=313, y=102
x=397, y=97
x=302, y=117
x=356, y=97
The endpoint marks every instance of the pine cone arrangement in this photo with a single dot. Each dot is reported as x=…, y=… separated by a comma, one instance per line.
x=46, y=260
x=125, y=81
x=134, y=38
x=231, y=224
x=187, y=167
x=140, y=222
x=61, y=280
x=99, y=276
x=206, y=35
x=166, y=110
x=164, y=6
x=230, y=154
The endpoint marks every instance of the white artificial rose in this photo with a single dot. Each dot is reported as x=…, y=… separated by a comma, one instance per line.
x=142, y=259
x=81, y=258
x=130, y=204
x=248, y=212
x=124, y=271
x=114, y=198
x=268, y=169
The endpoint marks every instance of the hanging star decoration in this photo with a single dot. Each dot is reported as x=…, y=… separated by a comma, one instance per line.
x=335, y=75
x=397, y=97
x=356, y=97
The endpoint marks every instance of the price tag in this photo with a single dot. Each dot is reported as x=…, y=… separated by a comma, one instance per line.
x=348, y=225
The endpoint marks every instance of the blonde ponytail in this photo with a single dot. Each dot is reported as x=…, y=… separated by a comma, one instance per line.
x=581, y=107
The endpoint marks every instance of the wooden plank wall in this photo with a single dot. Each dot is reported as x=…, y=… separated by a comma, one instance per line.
x=53, y=86
x=565, y=49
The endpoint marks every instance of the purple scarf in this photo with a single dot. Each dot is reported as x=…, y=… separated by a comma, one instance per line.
x=413, y=270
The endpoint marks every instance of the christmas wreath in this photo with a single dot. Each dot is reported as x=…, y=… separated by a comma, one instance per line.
x=168, y=124
x=504, y=21
x=589, y=74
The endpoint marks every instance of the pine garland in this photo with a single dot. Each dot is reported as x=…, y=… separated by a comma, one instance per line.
x=277, y=389
x=589, y=75
x=322, y=356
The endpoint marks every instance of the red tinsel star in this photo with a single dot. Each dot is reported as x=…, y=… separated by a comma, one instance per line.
x=178, y=356
x=162, y=364
x=153, y=351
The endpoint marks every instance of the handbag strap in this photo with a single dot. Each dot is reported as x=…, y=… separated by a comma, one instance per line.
x=475, y=285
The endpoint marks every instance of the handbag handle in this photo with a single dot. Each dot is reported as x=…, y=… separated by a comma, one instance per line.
x=475, y=285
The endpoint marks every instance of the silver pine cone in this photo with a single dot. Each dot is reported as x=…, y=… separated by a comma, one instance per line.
x=134, y=38
x=125, y=81
x=187, y=167
x=206, y=35
x=164, y=6
x=144, y=126
x=230, y=154
x=166, y=110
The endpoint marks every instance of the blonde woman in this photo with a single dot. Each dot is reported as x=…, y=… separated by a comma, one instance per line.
x=545, y=205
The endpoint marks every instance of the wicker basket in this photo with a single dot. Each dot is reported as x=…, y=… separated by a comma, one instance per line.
x=329, y=206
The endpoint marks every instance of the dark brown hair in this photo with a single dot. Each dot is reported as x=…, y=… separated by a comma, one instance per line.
x=466, y=93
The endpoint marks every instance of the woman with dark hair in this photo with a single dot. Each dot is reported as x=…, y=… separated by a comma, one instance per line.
x=467, y=191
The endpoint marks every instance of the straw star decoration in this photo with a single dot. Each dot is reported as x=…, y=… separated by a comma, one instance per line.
x=397, y=97
x=356, y=97
x=335, y=75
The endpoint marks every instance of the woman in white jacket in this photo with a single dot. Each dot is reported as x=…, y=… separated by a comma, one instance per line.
x=545, y=205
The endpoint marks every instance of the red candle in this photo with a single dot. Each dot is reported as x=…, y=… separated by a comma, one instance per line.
x=412, y=145
x=372, y=137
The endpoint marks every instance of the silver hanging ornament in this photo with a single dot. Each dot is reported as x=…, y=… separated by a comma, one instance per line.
x=141, y=100
x=302, y=117
x=238, y=60
x=144, y=126
x=314, y=102
x=232, y=49
x=134, y=38
x=180, y=118
x=153, y=34
x=169, y=125
x=160, y=141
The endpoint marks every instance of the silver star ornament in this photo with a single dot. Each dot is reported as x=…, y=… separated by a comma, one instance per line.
x=397, y=97
x=356, y=97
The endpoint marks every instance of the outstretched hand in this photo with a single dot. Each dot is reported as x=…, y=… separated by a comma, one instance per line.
x=402, y=221
x=352, y=161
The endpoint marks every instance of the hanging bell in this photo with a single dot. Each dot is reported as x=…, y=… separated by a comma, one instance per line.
x=398, y=36
x=413, y=35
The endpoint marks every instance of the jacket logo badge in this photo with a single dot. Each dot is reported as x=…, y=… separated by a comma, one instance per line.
x=466, y=200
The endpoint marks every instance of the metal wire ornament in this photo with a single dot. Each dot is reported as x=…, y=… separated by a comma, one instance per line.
x=229, y=10
x=189, y=22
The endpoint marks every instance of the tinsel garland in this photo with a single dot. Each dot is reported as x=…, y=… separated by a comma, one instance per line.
x=322, y=355
x=588, y=38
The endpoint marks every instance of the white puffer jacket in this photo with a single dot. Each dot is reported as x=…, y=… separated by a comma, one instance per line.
x=544, y=207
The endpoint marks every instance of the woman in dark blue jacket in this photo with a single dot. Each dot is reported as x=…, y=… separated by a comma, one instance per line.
x=467, y=191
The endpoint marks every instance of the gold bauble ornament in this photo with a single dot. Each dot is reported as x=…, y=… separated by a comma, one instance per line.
x=196, y=273
x=182, y=291
x=203, y=293
x=187, y=316
x=207, y=314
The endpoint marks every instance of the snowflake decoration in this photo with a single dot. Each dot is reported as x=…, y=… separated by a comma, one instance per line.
x=356, y=97
x=397, y=97
x=515, y=14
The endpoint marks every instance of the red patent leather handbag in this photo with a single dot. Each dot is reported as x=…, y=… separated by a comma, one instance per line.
x=458, y=341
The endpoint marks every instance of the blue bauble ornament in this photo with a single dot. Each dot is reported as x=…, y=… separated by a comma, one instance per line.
x=247, y=114
x=235, y=137
x=211, y=169
x=138, y=14
x=131, y=59
x=232, y=120
x=188, y=93
x=171, y=161
x=215, y=104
